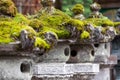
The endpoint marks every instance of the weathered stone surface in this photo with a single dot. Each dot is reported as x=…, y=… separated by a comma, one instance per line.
x=101, y=59
x=75, y=77
x=104, y=74
x=62, y=69
x=113, y=60
x=116, y=47
x=102, y=52
x=10, y=68
x=82, y=77
x=102, y=49
x=82, y=53
x=7, y=47
x=50, y=78
x=60, y=53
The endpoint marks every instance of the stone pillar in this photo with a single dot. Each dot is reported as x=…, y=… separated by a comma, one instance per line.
x=82, y=53
x=59, y=53
x=102, y=52
x=15, y=68
x=104, y=74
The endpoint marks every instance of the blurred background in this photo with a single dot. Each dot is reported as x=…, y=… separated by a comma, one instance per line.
x=109, y=7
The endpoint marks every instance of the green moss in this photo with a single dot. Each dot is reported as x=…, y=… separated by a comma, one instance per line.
x=78, y=8
x=7, y=7
x=5, y=32
x=3, y=18
x=77, y=23
x=104, y=30
x=56, y=18
x=85, y=35
x=107, y=23
x=116, y=24
x=100, y=22
x=41, y=43
x=63, y=33
x=21, y=19
x=40, y=34
x=10, y=31
x=53, y=22
x=35, y=23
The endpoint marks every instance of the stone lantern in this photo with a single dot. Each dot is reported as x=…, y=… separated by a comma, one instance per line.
x=95, y=7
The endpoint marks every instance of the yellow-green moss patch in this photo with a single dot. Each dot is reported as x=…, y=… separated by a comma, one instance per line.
x=116, y=24
x=35, y=23
x=100, y=21
x=21, y=19
x=10, y=31
x=53, y=22
x=77, y=23
x=41, y=43
x=78, y=8
x=85, y=35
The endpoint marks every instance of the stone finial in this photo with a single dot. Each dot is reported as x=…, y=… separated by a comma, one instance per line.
x=78, y=9
x=48, y=6
x=95, y=7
